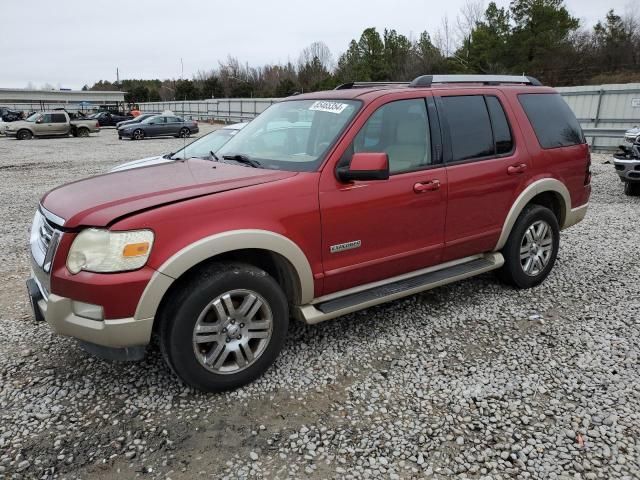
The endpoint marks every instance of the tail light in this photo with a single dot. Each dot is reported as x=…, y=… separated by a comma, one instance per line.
x=97, y=125
x=587, y=174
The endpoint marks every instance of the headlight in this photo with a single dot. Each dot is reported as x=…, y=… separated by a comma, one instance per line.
x=96, y=250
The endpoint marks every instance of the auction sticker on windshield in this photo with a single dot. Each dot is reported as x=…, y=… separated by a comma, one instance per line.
x=331, y=107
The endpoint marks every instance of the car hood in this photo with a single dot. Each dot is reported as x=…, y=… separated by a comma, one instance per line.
x=143, y=162
x=99, y=201
x=18, y=124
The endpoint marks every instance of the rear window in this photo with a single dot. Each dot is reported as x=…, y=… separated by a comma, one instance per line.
x=552, y=120
x=58, y=118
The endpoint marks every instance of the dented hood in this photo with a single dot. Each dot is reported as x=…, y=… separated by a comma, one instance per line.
x=100, y=200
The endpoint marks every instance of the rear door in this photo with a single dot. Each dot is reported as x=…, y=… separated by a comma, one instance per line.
x=487, y=166
x=174, y=124
x=379, y=229
x=59, y=124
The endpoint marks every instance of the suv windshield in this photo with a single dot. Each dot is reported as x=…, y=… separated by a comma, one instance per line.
x=292, y=135
x=204, y=146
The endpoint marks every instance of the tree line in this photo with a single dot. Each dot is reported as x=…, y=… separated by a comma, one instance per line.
x=535, y=37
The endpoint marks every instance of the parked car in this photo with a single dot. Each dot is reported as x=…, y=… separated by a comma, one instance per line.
x=108, y=119
x=159, y=126
x=8, y=115
x=3, y=125
x=204, y=147
x=55, y=123
x=390, y=191
x=627, y=162
x=138, y=119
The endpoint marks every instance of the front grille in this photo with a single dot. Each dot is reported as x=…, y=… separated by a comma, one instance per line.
x=45, y=237
x=46, y=234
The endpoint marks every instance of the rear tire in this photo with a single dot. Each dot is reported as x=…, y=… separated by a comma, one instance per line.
x=532, y=248
x=184, y=133
x=83, y=132
x=224, y=327
x=24, y=135
x=632, y=189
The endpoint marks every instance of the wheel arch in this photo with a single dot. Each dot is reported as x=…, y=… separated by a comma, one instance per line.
x=548, y=192
x=274, y=253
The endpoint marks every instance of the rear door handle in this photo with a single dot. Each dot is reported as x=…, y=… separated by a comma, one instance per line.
x=429, y=186
x=516, y=169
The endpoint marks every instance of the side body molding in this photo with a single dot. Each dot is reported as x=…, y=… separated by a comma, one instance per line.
x=214, y=245
x=537, y=187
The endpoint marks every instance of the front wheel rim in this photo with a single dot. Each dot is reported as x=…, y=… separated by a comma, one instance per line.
x=536, y=248
x=232, y=332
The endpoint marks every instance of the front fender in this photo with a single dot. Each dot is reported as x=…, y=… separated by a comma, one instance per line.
x=214, y=245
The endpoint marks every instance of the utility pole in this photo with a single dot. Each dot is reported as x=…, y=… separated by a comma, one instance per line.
x=118, y=77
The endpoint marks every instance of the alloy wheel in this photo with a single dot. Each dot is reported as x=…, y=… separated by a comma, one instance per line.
x=232, y=331
x=536, y=248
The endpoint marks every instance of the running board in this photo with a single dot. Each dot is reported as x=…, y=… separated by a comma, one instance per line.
x=342, y=303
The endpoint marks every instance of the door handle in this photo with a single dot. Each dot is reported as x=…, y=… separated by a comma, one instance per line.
x=429, y=186
x=516, y=169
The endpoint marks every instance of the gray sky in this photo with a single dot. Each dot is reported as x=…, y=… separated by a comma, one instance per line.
x=75, y=42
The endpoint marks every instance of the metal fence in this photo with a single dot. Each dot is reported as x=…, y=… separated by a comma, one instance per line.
x=604, y=111
x=224, y=109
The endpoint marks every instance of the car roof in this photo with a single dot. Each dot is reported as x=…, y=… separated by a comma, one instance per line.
x=371, y=92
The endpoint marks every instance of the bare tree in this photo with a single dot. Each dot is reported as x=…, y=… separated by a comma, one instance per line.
x=443, y=38
x=470, y=14
x=318, y=50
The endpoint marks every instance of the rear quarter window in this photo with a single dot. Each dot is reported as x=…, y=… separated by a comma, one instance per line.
x=552, y=120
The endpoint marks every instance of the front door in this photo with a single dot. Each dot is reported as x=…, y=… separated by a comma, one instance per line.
x=156, y=127
x=379, y=229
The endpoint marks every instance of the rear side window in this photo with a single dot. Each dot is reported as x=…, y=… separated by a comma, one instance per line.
x=501, y=130
x=469, y=127
x=58, y=118
x=552, y=120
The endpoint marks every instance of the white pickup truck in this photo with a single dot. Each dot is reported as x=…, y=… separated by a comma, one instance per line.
x=56, y=123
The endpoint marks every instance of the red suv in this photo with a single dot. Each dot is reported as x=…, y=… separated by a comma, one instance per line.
x=325, y=204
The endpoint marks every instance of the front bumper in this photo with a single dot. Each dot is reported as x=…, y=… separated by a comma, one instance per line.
x=82, y=321
x=627, y=169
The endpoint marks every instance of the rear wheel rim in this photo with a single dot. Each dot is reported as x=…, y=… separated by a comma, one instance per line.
x=184, y=132
x=232, y=332
x=536, y=248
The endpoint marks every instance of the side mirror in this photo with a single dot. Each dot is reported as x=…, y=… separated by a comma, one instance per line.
x=39, y=120
x=365, y=166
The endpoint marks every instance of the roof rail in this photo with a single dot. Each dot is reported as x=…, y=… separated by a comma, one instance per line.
x=348, y=85
x=428, y=80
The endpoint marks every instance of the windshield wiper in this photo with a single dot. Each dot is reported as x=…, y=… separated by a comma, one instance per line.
x=213, y=155
x=238, y=157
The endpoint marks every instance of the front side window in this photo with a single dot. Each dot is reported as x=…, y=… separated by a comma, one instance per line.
x=292, y=135
x=46, y=118
x=553, y=121
x=401, y=130
x=469, y=127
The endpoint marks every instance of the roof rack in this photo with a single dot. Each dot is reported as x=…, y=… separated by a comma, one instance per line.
x=349, y=85
x=428, y=80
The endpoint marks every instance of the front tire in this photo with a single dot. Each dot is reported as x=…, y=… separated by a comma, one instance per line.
x=532, y=248
x=632, y=189
x=138, y=134
x=224, y=327
x=24, y=135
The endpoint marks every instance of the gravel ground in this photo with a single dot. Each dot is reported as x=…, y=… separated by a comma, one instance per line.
x=473, y=380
